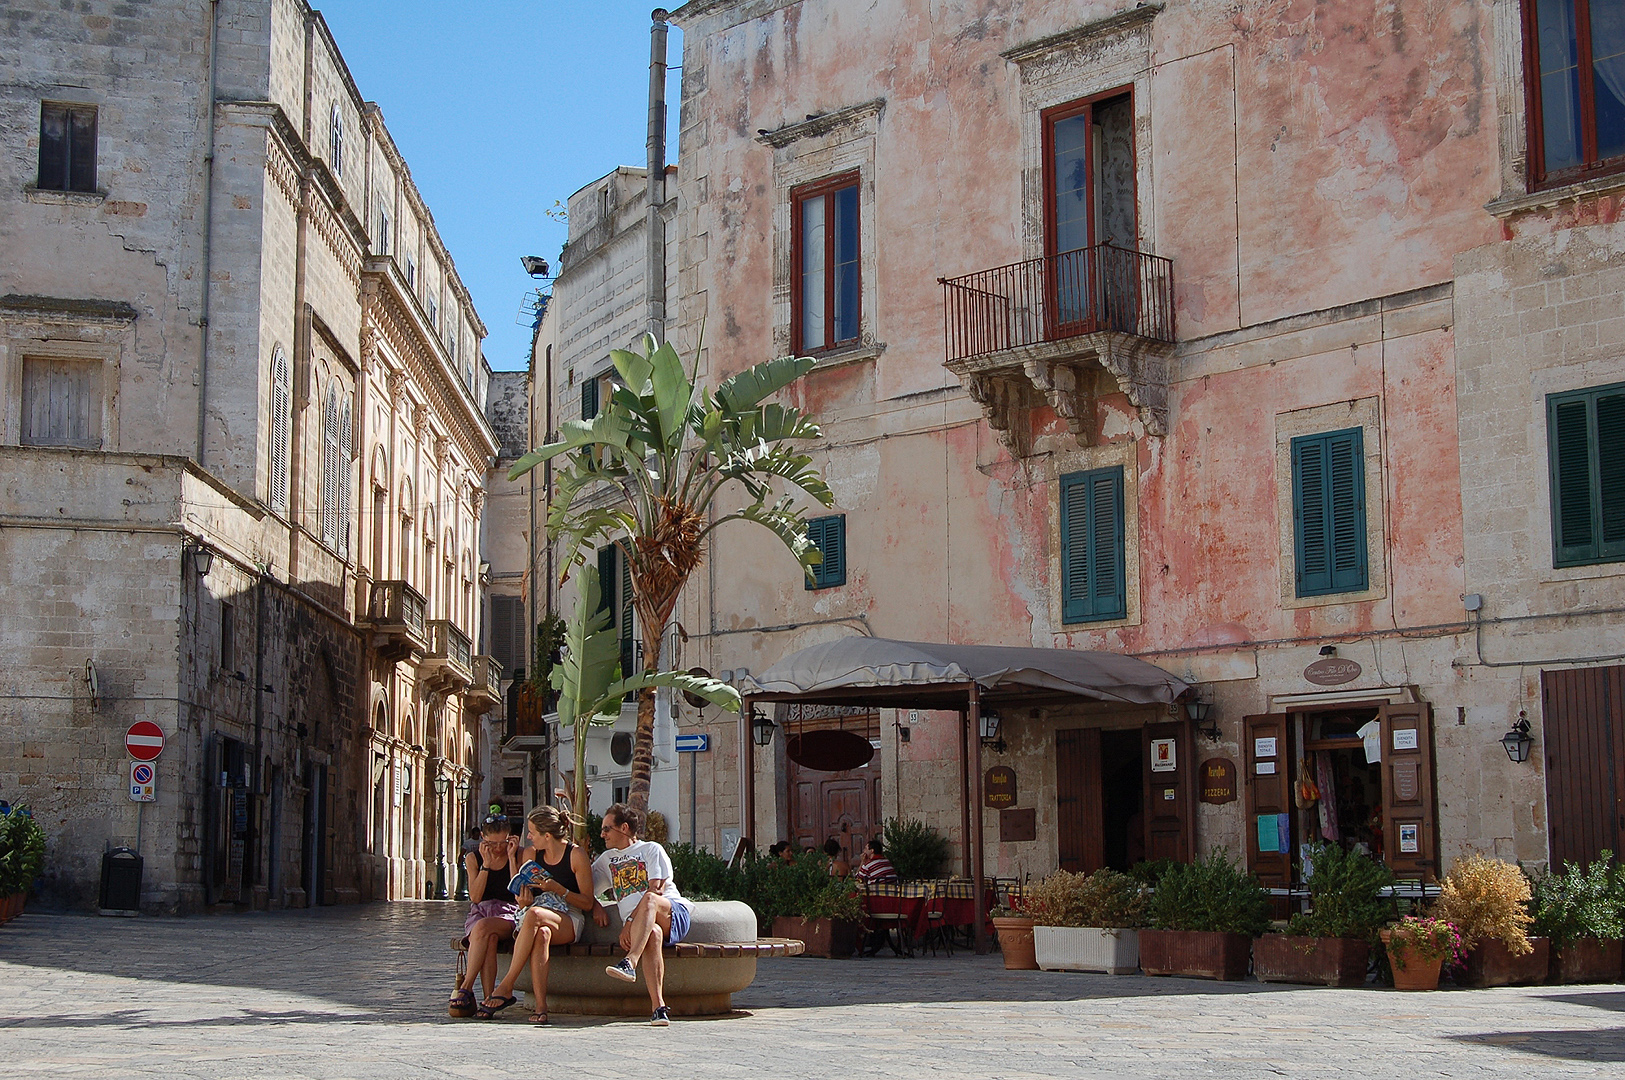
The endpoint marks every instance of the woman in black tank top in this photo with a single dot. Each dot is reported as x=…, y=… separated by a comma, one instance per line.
x=558, y=914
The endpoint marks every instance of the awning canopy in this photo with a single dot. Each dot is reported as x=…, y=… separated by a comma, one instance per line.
x=880, y=672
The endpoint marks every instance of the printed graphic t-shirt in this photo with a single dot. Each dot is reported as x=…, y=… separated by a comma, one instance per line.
x=625, y=874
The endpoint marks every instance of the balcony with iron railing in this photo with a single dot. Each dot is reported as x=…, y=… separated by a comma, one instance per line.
x=395, y=615
x=449, y=662
x=485, y=690
x=1063, y=329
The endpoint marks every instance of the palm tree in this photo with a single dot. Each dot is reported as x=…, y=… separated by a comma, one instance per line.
x=666, y=449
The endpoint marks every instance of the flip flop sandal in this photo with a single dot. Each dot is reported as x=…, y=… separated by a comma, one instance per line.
x=537, y=1019
x=462, y=1004
x=485, y=1012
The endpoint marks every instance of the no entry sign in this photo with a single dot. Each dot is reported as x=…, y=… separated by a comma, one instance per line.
x=144, y=740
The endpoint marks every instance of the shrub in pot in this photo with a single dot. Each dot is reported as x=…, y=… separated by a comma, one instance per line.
x=22, y=856
x=800, y=900
x=1087, y=922
x=1205, y=915
x=1488, y=901
x=916, y=850
x=1418, y=949
x=1331, y=943
x=1579, y=910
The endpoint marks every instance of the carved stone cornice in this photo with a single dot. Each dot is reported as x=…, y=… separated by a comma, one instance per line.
x=822, y=124
x=1058, y=46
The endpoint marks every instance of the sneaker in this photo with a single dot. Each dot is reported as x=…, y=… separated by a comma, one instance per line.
x=622, y=969
x=661, y=1018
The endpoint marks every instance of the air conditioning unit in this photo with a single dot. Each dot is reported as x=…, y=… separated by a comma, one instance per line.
x=592, y=770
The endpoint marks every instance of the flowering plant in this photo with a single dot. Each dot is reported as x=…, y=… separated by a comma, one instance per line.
x=1426, y=939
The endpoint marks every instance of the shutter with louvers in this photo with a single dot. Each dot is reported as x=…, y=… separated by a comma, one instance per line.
x=1093, y=530
x=1611, y=473
x=589, y=399
x=1328, y=512
x=1586, y=441
x=834, y=566
x=1571, y=482
x=281, y=416
x=345, y=504
x=82, y=166
x=329, y=487
x=53, y=148
x=507, y=637
x=815, y=537
x=606, y=578
x=628, y=656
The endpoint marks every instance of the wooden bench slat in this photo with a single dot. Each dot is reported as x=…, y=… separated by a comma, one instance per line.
x=703, y=949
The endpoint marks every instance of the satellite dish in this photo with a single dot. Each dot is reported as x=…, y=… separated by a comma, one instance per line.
x=830, y=751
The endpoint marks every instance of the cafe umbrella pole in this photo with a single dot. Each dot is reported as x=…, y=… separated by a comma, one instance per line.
x=979, y=901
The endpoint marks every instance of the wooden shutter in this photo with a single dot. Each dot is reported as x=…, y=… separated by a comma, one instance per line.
x=1583, y=731
x=1328, y=510
x=82, y=162
x=1092, y=542
x=815, y=537
x=1079, y=799
x=507, y=632
x=53, y=148
x=329, y=467
x=1586, y=433
x=828, y=535
x=281, y=417
x=606, y=578
x=344, y=480
x=589, y=399
x=1268, y=781
x=1169, y=830
x=1408, y=816
x=628, y=654
x=62, y=403
x=1611, y=473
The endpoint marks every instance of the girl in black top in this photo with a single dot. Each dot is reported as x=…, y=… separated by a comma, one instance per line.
x=558, y=914
x=492, y=908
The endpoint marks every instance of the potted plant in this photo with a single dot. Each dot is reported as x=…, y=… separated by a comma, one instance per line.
x=800, y=900
x=22, y=854
x=1488, y=901
x=1418, y=948
x=1015, y=932
x=1580, y=912
x=1331, y=943
x=916, y=850
x=1205, y=915
x=1088, y=922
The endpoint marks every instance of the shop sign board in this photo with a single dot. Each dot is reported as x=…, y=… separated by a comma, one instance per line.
x=1332, y=671
x=1163, y=758
x=999, y=787
x=1018, y=826
x=1218, y=781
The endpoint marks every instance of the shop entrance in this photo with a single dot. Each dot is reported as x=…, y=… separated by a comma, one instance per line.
x=842, y=805
x=1123, y=795
x=1358, y=775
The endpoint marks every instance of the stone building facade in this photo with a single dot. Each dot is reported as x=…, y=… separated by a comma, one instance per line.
x=243, y=459
x=1241, y=345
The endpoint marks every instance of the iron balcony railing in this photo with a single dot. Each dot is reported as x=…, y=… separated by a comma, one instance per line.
x=395, y=603
x=446, y=642
x=1059, y=296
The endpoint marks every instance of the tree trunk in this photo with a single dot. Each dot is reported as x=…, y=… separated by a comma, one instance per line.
x=643, y=742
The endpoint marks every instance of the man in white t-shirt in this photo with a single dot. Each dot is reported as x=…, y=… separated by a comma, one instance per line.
x=637, y=875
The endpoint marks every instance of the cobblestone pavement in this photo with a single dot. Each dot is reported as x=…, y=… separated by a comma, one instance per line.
x=360, y=993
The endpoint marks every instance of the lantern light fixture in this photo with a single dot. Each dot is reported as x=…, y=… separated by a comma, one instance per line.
x=1517, y=742
x=202, y=560
x=1200, y=713
x=761, y=728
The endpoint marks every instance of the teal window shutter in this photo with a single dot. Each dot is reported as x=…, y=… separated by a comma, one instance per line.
x=828, y=535
x=1093, y=560
x=1328, y=513
x=589, y=399
x=1586, y=446
x=628, y=654
x=606, y=578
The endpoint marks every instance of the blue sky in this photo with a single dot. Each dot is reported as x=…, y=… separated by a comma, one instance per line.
x=502, y=107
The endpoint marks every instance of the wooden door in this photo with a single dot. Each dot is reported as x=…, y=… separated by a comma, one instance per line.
x=1079, y=799
x=1583, y=732
x=1170, y=832
x=1410, y=823
x=844, y=805
x=1267, y=756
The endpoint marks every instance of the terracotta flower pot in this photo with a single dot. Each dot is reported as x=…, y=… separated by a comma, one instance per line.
x=1411, y=970
x=1588, y=960
x=1322, y=961
x=1195, y=954
x=832, y=939
x=1491, y=963
x=1016, y=943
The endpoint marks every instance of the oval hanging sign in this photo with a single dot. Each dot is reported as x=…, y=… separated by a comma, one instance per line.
x=829, y=751
x=1332, y=671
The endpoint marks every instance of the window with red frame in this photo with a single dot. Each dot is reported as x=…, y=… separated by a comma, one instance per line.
x=825, y=300
x=1574, y=61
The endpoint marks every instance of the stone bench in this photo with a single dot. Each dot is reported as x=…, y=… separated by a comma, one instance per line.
x=703, y=972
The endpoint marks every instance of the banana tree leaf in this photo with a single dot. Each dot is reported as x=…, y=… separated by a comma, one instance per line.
x=712, y=690
x=634, y=368
x=740, y=392
x=592, y=653
x=673, y=395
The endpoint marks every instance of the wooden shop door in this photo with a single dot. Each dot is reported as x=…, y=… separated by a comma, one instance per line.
x=1410, y=825
x=1267, y=760
x=1079, y=807
x=1583, y=731
x=1170, y=829
x=845, y=805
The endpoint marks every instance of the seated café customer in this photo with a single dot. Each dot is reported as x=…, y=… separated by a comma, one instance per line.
x=875, y=867
x=838, y=866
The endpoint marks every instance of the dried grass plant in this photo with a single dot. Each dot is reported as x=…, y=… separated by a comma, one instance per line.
x=1487, y=898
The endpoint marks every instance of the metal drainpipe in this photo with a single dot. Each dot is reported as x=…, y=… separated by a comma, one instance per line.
x=208, y=235
x=655, y=277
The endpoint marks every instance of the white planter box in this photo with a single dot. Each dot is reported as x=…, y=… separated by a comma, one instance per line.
x=1087, y=948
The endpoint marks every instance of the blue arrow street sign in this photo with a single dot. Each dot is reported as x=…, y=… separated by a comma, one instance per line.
x=693, y=744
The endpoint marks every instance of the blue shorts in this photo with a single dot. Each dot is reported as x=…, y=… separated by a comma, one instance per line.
x=679, y=922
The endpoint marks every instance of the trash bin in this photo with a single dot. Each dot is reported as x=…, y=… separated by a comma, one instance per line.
x=121, y=883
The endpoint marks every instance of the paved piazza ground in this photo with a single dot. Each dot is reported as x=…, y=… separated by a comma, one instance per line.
x=360, y=993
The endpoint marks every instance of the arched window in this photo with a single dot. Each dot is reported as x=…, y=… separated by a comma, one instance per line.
x=280, y=430
x=335, y=471
x=406, y=528
x=336, y=134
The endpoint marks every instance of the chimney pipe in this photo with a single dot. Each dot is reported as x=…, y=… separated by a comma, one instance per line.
x=655, y=276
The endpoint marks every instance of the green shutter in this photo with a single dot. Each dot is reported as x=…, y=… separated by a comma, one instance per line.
x=1328, y=513
x=1093, y=559
x=828, y=535
x=589, y=399
x=606, y=578
x=1586, y=444
x=628, y=655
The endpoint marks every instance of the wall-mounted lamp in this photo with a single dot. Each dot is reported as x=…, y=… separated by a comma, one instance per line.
x=761, y=728
x=989, y=725
x=1517, y=741
x=1200, y=713
x=202, y=560
x=442, y=784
